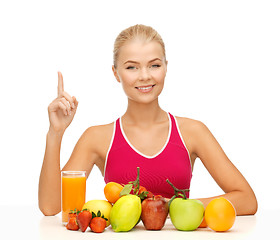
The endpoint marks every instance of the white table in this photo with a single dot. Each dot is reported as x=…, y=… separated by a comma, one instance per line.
x=28, y=221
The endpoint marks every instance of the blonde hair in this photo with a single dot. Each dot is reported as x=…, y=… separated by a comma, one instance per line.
x=138, y=31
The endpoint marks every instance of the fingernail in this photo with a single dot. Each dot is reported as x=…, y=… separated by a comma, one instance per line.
x=73, y=105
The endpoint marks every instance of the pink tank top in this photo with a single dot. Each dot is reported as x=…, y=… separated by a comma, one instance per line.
x=172, y=162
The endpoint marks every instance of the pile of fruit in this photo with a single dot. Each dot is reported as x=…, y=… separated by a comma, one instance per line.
x=129, y=204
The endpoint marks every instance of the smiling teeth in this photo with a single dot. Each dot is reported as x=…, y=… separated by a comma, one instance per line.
x=144, y=88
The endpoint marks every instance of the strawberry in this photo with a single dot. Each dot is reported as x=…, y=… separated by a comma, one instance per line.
x=72, y=213
x=142, y=189
x=144, y=193
x=97, y=224
x=72, y=224
x=83, y=219
x=150, y=194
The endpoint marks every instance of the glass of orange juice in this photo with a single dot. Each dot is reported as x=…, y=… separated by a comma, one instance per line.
x=73, y=192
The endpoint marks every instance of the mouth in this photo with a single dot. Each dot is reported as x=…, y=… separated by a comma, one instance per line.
x=145, y=89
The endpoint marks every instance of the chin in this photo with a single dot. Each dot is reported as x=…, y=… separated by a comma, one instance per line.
x=146, y=100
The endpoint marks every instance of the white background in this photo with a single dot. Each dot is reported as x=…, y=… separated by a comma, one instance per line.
x=223, y=70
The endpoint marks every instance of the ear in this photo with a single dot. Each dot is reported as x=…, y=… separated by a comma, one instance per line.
x=116, y=73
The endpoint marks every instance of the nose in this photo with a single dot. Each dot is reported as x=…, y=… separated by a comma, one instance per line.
x=144, y=74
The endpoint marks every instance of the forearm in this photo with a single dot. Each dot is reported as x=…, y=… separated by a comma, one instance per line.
x=50, y=179
x=243, y=202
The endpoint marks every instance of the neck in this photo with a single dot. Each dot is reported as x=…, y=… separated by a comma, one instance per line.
x=144, y=114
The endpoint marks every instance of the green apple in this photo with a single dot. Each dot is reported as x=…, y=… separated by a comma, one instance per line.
x=186, y=214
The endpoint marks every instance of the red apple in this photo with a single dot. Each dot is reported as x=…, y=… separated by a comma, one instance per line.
x=154, y=212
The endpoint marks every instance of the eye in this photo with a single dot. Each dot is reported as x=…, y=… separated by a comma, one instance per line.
x=131, y=67
x=156, y=65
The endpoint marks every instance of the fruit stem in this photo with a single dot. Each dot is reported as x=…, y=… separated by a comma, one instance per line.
x=138, y=174
x=136, y=183
x=177, y=191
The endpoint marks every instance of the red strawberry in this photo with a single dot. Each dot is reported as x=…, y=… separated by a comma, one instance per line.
x=142, y=189
x=144, y=193
x=72, y=213
x=83, y=219
x=150, y=194
x=72, y=224
x=97, y=224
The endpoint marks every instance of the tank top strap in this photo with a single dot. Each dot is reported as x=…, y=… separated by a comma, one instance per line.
x=117, y=138
x=176, y=137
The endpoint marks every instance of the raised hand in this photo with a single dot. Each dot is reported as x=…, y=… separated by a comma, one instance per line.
x=62, y=109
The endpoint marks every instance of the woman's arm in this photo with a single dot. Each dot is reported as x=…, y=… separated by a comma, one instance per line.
x=227, y=176
x=61, y=113
x=84, y=157
x=49, y=182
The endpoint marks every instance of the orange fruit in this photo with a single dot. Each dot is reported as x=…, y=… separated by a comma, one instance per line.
x=203, y=224
x=112, y=191
x=220, y=214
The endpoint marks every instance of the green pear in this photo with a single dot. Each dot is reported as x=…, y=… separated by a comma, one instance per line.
x=125, y=213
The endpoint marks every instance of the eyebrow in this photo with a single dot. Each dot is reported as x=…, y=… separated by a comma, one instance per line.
x=131, y=61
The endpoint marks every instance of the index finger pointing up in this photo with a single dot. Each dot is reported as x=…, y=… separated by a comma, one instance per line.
x=60, y=86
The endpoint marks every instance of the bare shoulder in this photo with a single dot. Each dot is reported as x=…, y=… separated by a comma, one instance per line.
x=100, y=129
x=97, y=139
x=190, y=126
x=192, y=132
x=99, y=133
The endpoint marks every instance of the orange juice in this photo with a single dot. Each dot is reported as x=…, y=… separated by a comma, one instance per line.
x=73, y=192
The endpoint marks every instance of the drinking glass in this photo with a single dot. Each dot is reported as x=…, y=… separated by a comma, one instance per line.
x=73, y=192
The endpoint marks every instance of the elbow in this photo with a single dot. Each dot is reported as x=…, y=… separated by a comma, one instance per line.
x=48, y=210
x=254, y=206
x=49, y=206
x=251, y=205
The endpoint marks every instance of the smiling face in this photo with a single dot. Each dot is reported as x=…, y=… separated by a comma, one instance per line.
x=141, y=69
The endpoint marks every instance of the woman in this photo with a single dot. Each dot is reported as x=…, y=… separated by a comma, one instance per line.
x=163, y=146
